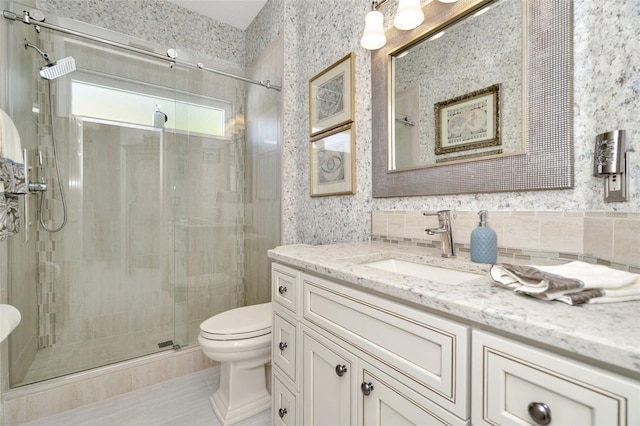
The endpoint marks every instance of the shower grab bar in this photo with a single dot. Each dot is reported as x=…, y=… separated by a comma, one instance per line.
x=169, y=57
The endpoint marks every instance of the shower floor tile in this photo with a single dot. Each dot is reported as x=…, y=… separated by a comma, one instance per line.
x=64, y=359
x=179, y=402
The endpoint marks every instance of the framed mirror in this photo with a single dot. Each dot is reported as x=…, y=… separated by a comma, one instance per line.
x=477, y=99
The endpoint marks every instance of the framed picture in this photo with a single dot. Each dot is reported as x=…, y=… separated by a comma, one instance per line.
x=468, y=122
x=333, y=163
x=331, y=96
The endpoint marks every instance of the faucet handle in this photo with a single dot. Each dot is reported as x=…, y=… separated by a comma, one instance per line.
x=441, y=213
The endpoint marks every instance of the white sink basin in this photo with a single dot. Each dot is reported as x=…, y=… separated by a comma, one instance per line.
x=421, y=270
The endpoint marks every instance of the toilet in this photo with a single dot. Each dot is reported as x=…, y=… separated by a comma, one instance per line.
x=240, y=339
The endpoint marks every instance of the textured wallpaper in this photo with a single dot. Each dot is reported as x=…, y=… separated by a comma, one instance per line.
x=607, y=89
x=319, y=32
x=159, y=22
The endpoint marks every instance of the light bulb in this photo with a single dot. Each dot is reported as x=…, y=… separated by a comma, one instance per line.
x=409, y=15
x=373, y=36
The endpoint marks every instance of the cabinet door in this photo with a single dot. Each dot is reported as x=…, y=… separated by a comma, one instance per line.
x=386, y=401
x=329, y=382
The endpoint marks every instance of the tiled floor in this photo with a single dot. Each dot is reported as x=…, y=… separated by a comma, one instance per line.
x=180, y=402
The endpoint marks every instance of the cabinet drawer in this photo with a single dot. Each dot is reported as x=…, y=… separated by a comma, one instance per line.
x=286, y=287
x=285, y=406
x=431, y=354
x=284, y=346
x=513, y=383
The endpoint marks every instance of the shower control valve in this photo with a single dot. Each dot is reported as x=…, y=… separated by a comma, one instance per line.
x=37, y=187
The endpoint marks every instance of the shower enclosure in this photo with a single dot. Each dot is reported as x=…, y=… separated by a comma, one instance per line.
x=167, y=223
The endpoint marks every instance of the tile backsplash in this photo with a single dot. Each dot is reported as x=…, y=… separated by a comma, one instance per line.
x=596, y=237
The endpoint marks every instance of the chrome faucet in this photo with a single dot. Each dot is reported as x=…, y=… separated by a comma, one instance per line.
x=445, y=229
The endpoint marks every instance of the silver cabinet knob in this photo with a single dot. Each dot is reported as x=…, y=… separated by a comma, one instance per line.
x=341, y=369
x=540, y=413
x=282, y=412
x=366, y=388
x=282, y=289
x=282, y=346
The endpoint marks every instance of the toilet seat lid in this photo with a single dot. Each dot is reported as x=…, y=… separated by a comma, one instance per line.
x=239, y=323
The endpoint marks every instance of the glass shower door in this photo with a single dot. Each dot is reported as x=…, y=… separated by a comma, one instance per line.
x=101, y=290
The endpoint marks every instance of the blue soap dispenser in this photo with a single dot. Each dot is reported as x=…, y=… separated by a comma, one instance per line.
x=484, y=242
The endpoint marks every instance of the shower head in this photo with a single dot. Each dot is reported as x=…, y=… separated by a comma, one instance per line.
x=56, y=69
x=59, y=68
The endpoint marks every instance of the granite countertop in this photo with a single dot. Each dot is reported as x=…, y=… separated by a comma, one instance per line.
x=606, y=333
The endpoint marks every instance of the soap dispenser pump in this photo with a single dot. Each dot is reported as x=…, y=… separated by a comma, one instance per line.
x=484, y=242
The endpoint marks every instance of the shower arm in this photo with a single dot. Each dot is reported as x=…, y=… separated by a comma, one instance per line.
x=12, y=16
x=37, y=49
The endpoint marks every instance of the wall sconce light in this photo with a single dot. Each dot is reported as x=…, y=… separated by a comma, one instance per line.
x=408, y=16
x=373, y=36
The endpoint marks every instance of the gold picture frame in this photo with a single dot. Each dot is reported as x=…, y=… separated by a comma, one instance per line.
x=331, y=96
x=332, y=163
x=470, y=121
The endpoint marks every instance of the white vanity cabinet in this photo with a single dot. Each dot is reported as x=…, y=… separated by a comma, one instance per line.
x=364, y=359
x=429, y=352
x=517, y=384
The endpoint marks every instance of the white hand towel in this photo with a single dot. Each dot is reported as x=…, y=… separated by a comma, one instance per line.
x=10, y=146
x=573, y=282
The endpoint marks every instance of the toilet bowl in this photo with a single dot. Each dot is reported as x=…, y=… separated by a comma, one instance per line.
x=240, y=339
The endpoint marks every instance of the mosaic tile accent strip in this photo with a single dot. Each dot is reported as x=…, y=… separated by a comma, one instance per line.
x=609, y=239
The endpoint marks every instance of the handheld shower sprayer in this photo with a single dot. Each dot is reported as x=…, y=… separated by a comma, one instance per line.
x=50, y=71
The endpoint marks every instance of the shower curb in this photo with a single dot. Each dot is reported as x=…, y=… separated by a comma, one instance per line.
x=35, y=401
